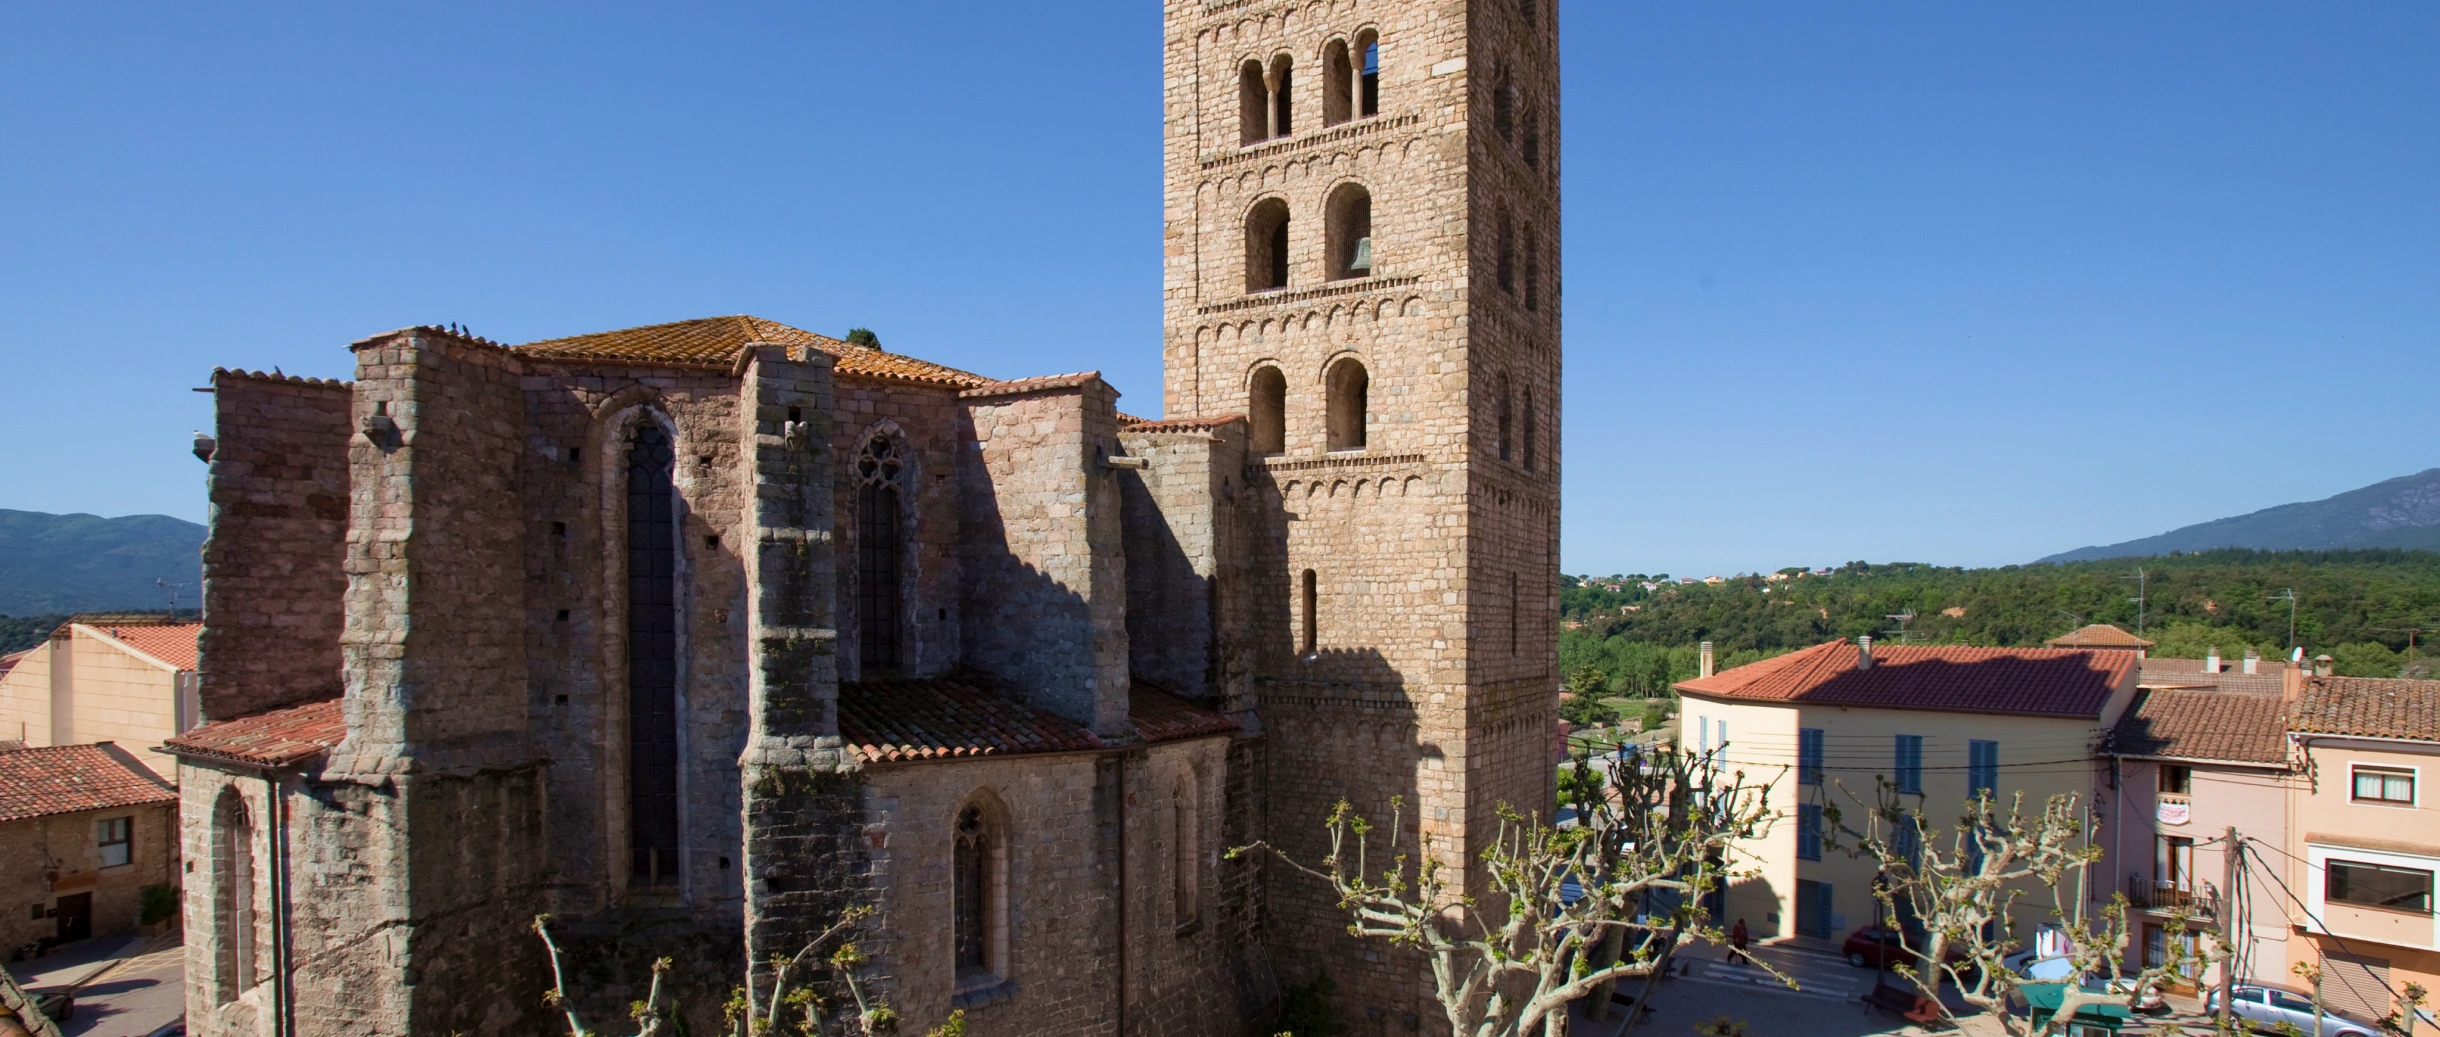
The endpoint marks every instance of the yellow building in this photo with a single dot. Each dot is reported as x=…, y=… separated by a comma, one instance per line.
x=128, y=679
x=2363, y=845
x=1825, y=725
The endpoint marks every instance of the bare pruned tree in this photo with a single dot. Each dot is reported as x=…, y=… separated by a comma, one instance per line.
x=797, y=1012
x=1564, y=910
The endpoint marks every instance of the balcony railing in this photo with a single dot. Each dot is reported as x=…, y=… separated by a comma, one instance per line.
x=2152, y=895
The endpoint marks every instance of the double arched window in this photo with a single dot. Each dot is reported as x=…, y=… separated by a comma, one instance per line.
x=880, y=551
x=1347, y=390
x=1266, y=100
x=1351, y=88
x=1347, y=239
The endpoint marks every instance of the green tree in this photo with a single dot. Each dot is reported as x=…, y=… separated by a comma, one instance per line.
x=863, y=337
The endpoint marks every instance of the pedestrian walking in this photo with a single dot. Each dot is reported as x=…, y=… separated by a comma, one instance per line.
x=1737, y=939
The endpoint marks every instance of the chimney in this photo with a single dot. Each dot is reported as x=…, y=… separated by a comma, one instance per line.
x=2324, y=666
x=2253, y=662
x=2211, y=662
x=1863, y=652
x=2291, y=683
x=1706, y=658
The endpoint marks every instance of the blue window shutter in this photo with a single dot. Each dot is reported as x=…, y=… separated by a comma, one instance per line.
x=1821, y=910
x=1984, y=762
x=1809, y=755
x=1808, y=831
x=1910, y=763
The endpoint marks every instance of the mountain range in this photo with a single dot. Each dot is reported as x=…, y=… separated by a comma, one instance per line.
x=51, y=564
x=2401, y=513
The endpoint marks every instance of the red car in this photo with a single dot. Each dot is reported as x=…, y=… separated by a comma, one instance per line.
x=1874, y=947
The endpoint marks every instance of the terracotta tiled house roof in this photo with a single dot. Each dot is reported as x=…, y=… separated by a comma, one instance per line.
x=2368, y=707
x=2098, y=635
x=2203, y=725
x=279, y=738
x=69, y=779
x=886, y=721
x=2050, y=682
x=172, y=644
x=717, y=340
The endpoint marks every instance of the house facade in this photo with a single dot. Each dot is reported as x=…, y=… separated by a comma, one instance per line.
x=1826, y=727
x=84, y=829
x=123, y=678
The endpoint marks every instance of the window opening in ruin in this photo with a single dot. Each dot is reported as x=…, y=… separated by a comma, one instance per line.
x=1530, y=422
x=1313, y=626
x=879, y=548
x=1253, y=105
x=1349, y=385
x=1349, y=232
x=1283, y=97
x=1187, y=816
x=1508, y=253
x=972, y=893
x=1338, y=83
x=652, y=660
x=1266, y=246
x=1508, y=405
x=1267, y=411
x=1372, y=75
x=233, y=846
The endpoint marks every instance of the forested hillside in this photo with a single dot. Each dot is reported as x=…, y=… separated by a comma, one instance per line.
x=2362, y=607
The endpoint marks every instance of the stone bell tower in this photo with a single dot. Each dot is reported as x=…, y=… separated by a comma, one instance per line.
x=1361, y=258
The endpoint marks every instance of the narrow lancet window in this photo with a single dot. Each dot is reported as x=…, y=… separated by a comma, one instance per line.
x=972, y=883
x=652, y=660
x=879, y=584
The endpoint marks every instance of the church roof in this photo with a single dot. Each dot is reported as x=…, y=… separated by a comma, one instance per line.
x=717, y=340
x=889, y=721
x=279, y=738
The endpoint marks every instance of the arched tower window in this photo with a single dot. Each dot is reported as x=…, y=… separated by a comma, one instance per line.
x=1312, y=593
x=1508, y=252
x=652, y=659
x=1186, y=815
x=1349, y=232
x=1348, y=386
x=1253, y=104
x=1529, y=430
x=880, y=581
x=1508, y=404
x=1338, y=83
x=1533, y=270
x=1533, y=139
x=1267, y=411
x=1283, y=96
x=1266, y=246
x=1504, y=107
x=978, y=894
x=233, y=895
x=1368, y=86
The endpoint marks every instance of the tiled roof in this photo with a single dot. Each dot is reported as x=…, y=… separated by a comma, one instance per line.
x=717, y=340
x=1162, y=717
x=2056, y=682
x=1040, y=383
x=9, y=662
x=887, y=721
x=68, y=779
x=2369, y=707
x=279, y=738
x=1127, y=424
x=2098, y=635
x=124, y=619
x=890, y=720
x=2179, y=724
x=174, y=645
x=2190, y=673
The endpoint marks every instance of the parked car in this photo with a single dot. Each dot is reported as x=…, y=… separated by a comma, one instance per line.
x=1876, y=947
x=2264, y=1007
x=2058, y=967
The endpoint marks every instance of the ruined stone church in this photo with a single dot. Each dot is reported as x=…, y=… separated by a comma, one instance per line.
x=695, y=636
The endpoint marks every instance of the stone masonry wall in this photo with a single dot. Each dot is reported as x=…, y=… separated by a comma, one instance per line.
x=929, y=427
x=45, y=858
x=274, y=575
x=1177, y=520
x=1045, y=557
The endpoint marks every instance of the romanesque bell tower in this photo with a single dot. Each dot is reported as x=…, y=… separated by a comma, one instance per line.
x=1361, y=245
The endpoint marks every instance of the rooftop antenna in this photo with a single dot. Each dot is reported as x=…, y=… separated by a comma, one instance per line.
x=1903, y=619
x=2079, y=619
x=2289, y=596
x=2138, y=599
x=172, y=588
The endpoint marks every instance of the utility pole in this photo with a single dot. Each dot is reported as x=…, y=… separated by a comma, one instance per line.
x=2289, y=596
x=2228, y=914
x=2140, y=595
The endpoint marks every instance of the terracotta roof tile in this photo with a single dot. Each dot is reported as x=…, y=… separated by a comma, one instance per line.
x=2180, y=724
x=890, y=720
x=1957, y=679
x=717, y=340
x=1127, y=424
x=68, y=779
x=174, y=645
x=1162, y=717
x=1042, y=383
x=2098, y=635
x=279, y=738
x=2369, y=707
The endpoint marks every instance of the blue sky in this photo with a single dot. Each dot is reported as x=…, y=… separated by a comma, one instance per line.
x=1900, y=281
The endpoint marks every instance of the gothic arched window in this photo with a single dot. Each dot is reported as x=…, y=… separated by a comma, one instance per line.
x=652, y=658
x=879, y=553
x=233, y=894
x=978, y=860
